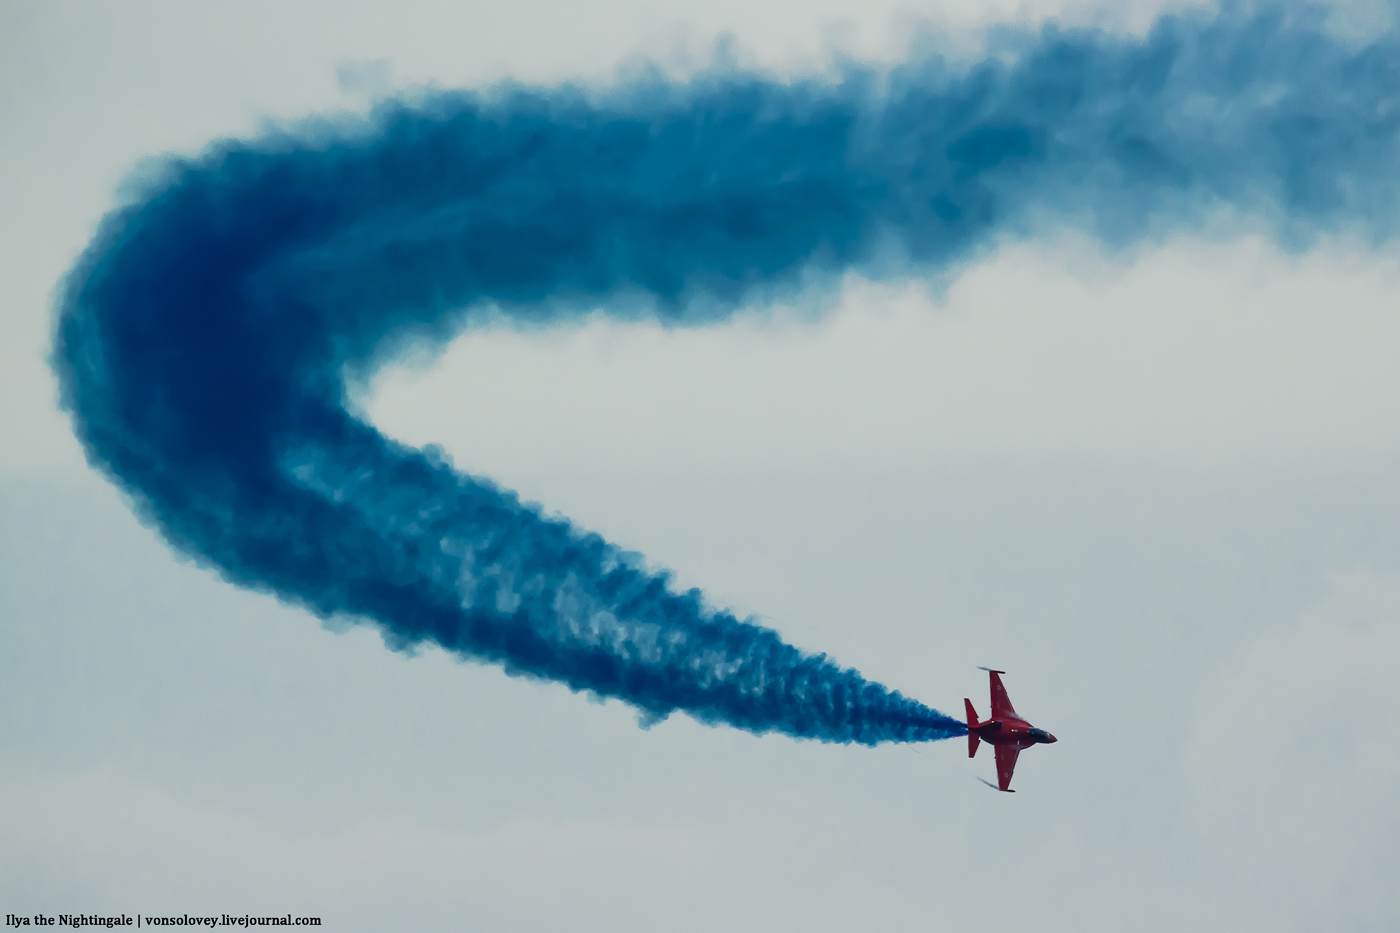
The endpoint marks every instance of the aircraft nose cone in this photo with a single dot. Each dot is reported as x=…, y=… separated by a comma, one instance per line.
x=1051, y=738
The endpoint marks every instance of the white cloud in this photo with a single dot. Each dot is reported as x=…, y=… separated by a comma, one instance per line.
x=1294, y=766
x=184, y=744
x=1197, y=355
x=107, y=842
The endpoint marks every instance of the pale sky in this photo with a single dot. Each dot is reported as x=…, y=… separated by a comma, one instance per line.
x=1159, y=489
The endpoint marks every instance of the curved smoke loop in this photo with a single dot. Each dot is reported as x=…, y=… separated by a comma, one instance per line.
x=202, y=338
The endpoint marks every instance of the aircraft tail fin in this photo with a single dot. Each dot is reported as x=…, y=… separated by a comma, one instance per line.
x=972, y=740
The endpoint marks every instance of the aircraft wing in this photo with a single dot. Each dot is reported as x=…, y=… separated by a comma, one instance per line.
x=1006, y=765
x=1001, y=703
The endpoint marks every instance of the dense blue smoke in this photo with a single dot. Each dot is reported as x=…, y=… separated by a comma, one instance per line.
x=204, y=338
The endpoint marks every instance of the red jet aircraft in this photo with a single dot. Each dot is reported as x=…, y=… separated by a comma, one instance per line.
x=1005, y=730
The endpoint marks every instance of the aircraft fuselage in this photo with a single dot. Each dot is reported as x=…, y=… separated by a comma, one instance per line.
x=1016, y=733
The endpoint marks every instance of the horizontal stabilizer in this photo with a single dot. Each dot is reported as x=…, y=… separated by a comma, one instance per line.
x=972, y=739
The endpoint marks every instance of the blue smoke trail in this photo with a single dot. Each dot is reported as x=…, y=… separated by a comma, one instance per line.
x=203, y=338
